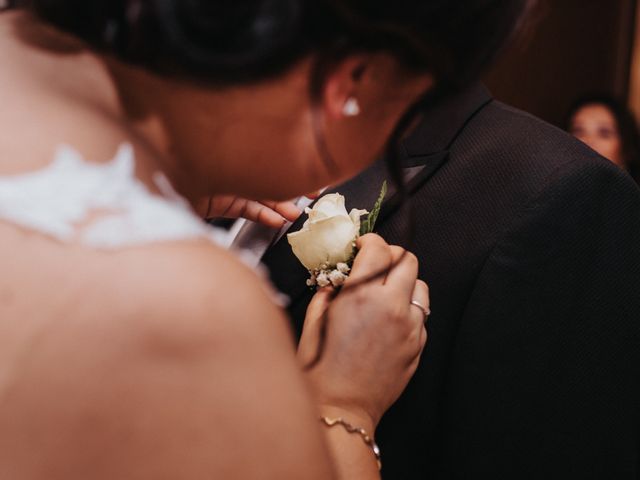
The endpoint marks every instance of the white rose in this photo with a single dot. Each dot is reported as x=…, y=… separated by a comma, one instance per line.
x=327, y=237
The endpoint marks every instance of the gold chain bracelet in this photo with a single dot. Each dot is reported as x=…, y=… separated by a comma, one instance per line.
x=368, y=439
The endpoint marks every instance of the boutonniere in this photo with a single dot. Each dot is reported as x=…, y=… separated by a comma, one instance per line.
x=326, y=244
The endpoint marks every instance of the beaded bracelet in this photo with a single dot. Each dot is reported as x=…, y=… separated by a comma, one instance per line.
x=368, y=440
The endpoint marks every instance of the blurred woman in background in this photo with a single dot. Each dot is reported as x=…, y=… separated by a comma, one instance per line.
x=608, y=127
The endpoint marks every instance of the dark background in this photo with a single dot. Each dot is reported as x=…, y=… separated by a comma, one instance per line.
x=576, y=47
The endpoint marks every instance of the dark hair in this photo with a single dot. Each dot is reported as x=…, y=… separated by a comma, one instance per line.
x=228, y=41
x=625, y=122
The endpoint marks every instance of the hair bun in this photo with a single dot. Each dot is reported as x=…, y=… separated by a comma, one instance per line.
x=231, y=37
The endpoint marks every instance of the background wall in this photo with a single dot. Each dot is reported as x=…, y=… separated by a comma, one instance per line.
x=577, y=47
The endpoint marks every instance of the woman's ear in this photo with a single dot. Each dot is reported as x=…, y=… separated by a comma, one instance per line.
x=360, y=82
x=341, y=87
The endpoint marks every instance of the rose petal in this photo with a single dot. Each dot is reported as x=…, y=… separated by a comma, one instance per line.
x=328, y=206
x=328, y=241
x=355, y=215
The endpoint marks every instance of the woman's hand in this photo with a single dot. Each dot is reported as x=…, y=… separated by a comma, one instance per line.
x=271, y=214
x=374, y=336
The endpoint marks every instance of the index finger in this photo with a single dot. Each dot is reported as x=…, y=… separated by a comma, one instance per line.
x=288, y=210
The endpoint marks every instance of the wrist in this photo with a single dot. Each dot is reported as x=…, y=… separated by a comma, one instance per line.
x=366, y=436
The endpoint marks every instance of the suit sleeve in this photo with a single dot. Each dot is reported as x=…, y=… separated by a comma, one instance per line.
x=545, y=374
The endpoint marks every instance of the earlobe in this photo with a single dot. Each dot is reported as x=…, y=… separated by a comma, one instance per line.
x=341, y=86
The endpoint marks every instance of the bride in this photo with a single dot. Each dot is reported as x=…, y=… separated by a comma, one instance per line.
x=131, y=345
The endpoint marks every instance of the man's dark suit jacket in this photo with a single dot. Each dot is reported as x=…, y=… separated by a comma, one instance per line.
x=530, y=243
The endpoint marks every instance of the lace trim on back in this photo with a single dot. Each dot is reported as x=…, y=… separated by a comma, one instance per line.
x=101, y=205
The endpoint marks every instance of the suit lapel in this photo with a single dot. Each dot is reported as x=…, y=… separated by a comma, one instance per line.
x=415, y=178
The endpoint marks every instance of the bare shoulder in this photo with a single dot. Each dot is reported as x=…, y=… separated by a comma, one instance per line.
x=194, y=292
x=190, y=299
x=195, y=360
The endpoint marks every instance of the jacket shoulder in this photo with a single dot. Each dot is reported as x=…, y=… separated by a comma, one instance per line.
x=529, y=137
x=522, y=152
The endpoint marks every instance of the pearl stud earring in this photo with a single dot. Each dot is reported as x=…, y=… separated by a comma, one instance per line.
x=351, y=107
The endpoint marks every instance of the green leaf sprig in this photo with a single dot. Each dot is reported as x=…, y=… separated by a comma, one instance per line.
x=367, y=225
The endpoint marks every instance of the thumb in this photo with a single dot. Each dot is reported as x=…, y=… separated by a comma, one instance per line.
x=313, y=324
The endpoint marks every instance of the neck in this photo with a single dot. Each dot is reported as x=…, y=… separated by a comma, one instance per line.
x=146, y=104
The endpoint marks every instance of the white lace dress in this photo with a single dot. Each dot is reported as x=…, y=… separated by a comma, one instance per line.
x=100, y=205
